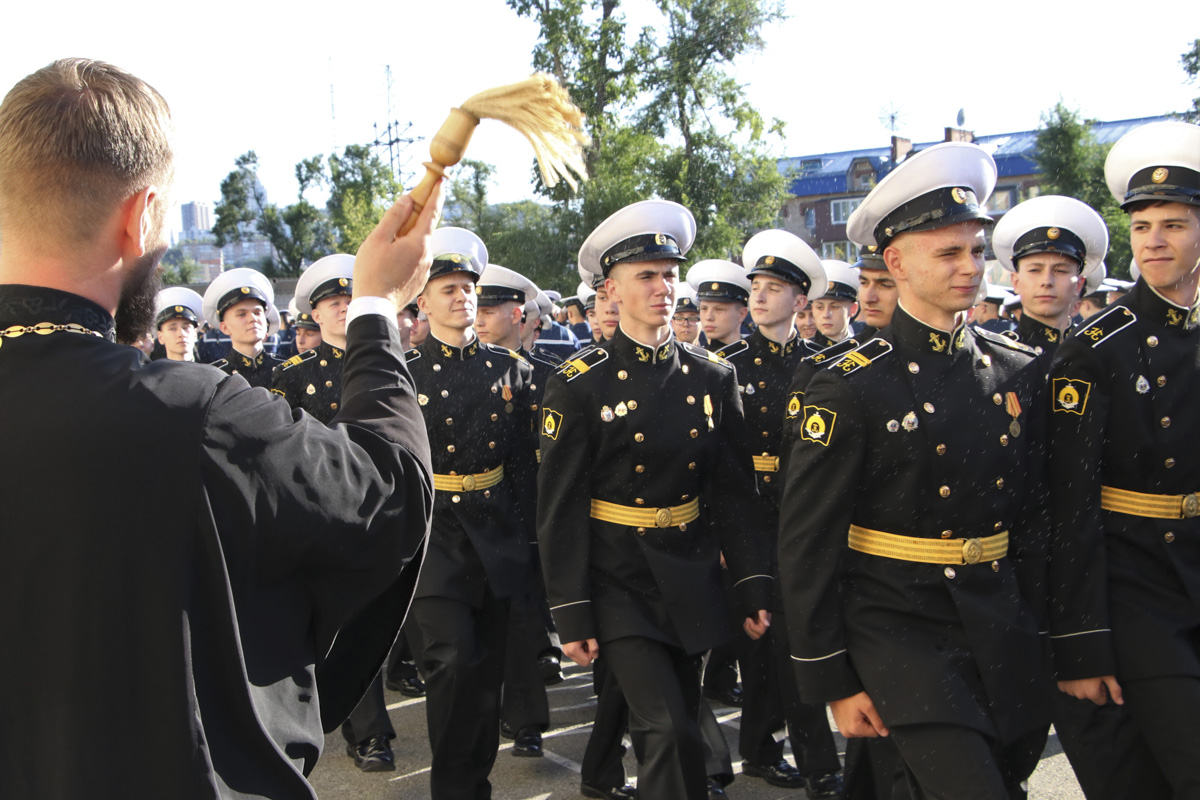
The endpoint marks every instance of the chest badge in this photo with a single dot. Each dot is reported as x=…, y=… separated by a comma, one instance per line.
x=621, y=410
x=910, y=422
x=708, y=410
x=893, y=425
x=1013, y=406
x=423, y=399
x=749, y=388
x=606, y=414
x=1143, y=385
x=311, y=389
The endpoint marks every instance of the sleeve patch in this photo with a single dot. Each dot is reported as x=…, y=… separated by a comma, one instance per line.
x=795, y=404
x=1071, y=396
x=818, y=425
x=551, y=423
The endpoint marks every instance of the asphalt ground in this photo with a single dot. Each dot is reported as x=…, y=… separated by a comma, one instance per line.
x=556, y=774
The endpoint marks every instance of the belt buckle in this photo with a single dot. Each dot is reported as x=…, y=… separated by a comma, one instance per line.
x=662, y=518
x=468, y=483
x=1191, y=505
x=972, y=551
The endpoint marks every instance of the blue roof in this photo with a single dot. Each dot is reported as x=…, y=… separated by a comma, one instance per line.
x=827, y=173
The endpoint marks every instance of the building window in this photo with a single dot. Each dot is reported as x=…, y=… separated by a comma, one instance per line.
x=840, y=251
x=840, y=210
x=810, y=218
x=1002, y=199
x=810, y=165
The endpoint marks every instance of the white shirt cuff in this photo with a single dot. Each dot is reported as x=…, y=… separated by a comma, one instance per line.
x=371, y=305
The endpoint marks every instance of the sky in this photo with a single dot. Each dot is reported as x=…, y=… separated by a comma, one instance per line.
x=293, y=81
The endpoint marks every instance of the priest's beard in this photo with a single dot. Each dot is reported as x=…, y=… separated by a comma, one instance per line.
x=135, y=311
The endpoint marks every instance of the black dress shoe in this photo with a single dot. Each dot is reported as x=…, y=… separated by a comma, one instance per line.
x=550, y=666
x=409, y=687
x=625, y=792
x=506, y=730
x=715, y=790
x=730, y=697
x=825, y=784
x=373, y=755
x=528, y=743
x=782, y=774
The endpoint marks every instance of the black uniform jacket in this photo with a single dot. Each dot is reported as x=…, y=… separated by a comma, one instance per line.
x=177, y=553
x=764, y=372
x=648, y=427
x=257, y=371
x=1124, y=390
x=912, y=434
x=1042, y=339
x=312, y=380
x=476, y=405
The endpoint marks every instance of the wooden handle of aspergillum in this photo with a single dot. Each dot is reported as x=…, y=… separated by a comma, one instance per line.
x=447, y=149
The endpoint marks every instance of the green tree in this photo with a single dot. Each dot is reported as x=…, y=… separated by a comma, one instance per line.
x=1191, y=65
x=1072, y=164
x=242, y=201
x=361, y=188
x=176, y=269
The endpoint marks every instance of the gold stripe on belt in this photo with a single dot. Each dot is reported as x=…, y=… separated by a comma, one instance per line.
x=638, y=517
x=766, y=463
x=468, y=483
x=928, y=551
x=1156, y=506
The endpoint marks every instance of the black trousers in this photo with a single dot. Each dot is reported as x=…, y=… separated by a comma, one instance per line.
x=1111, y=758
x=662, y=686
x=875, y=771
x=1166, y=711
x=407, y=653
x=370, y=717
x=951, y=762
x=524, y=703
x=464, y=664
x=602, y=767
x=771, y=699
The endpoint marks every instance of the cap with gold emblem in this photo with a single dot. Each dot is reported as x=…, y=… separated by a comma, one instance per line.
x=500, y=284
x=456, y=250
x=177, y=302
x=947, y=184
x=1159, y=161
x=649, y=230
x=786, y=256
x=870, y=257
x=717, y=279
x=685, y=298
x=843, y=281
x=232, y=287
x=325, y=277
x=1051, y=224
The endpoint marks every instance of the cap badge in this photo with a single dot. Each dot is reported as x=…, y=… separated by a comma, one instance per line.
x=959, y=195
x=1143, y=385
x=910, y=422
x=478, y=290
x=1054, y=233
x=887, y=231
x=457, y=259
x=245, y=290
x=1159, y=175
x=343, y=282
x=659, y=239
x=178, y=309
x=769, y=260
x=715, y=286
x=606, y=414
x=872, y=248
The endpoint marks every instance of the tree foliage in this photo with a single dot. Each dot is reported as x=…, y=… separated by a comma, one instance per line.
x=1072, y=164
x=1191, y=65
x=360, y=188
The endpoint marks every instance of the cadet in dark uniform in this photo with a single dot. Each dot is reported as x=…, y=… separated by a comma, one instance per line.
x=476, y=402
x=722, y=294
x=312, y=381
x=646, y=479
x=783, y=270
x=685, y=323
x=1125, y=567
x=239, y=303
x=177, y=317
x=833, y=313
x=914, y=509
x=307, y=334
x=1051, y=245
x=986, y=313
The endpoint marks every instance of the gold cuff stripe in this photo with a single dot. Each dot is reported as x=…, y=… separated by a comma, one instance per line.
x=766, y=463
x=928, y=551
x=468, y=483
x=1155, y=506
x=637, y=517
